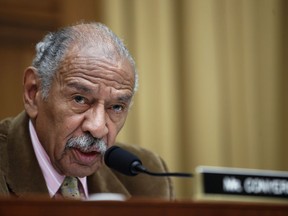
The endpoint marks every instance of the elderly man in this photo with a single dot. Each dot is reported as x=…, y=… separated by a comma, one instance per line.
x=77, y=95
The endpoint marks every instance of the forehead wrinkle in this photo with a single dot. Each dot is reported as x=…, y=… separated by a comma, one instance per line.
x=65, y=76
x=124, y=97
x=103, y=69
x=79, y=87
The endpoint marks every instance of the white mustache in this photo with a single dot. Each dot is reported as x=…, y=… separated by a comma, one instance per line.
x=87, y=143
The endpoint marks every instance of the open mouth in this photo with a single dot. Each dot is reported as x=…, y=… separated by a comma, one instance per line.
x=86, y=157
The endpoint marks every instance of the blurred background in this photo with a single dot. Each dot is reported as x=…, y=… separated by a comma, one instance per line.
x=213, y=74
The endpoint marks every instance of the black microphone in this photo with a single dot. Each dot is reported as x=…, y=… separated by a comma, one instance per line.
x=129, y=164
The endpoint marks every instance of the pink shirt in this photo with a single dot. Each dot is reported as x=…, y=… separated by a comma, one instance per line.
x=52, y=177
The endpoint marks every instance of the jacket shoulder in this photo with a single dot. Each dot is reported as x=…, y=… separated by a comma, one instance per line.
x=145, y=185
x=4, y=127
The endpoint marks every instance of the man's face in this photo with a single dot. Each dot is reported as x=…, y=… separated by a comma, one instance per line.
x=89, y=96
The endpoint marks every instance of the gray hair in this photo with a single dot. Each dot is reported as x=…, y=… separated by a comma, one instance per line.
x=52, y=49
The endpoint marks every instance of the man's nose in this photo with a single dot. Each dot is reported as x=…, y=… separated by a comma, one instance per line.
x=95, y=122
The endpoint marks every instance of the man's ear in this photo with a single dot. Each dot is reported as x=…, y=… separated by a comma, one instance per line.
x=31, y=93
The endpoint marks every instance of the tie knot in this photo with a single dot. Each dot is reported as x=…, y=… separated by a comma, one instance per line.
x=70, y=188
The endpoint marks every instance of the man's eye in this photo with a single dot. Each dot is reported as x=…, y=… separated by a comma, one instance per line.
x=118, y=108
x=79, y=99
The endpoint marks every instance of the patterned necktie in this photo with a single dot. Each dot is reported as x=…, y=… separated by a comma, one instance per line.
x=69, y=188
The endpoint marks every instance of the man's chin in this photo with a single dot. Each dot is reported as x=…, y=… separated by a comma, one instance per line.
x=81, y=170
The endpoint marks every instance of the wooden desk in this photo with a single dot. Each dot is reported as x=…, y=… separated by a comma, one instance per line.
x=33, y=207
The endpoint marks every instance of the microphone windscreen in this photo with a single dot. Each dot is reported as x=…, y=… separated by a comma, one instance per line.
x=121, y=160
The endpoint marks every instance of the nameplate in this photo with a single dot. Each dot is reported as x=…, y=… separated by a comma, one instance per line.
x=215, y=181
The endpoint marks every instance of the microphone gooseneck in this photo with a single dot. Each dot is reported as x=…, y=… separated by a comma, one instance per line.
x=129, y=164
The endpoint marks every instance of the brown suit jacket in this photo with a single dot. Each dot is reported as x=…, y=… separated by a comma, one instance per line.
x=21, y=175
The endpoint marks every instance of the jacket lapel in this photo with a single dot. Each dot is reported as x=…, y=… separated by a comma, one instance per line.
x=104, y=181
x=23, y=174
